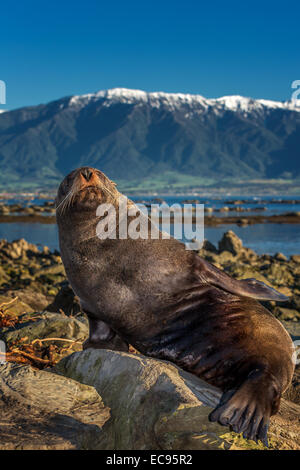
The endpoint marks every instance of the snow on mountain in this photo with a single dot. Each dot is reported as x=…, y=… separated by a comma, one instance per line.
x=124, y=95
x=242, y=103
x=174, y=100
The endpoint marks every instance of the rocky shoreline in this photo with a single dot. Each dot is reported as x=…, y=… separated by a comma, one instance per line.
x=235, y=213
x=43, y=328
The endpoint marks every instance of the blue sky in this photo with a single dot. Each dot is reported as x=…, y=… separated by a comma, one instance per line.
x=54, y=49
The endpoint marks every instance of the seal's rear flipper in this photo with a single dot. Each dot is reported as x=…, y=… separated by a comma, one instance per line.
x=248, y=409
x=245, y=287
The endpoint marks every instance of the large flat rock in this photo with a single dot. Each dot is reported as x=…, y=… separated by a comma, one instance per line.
x=101, y=399
x=154, y=404
x=43, y=410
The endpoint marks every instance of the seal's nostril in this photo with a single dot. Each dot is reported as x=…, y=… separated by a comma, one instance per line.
x=87, y=173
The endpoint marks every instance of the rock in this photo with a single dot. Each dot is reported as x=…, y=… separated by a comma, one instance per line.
x=13, y=305
x=292, y=214
x=296, y=259
x=18, y=248
x=29, y=210
x=280, y=257
x=293, y=392
x=48, y=325
x=293, y=328
x=286, y=314
x=225, y=257
x=281, y=274
x=208, y=246
x=4, y=277
x=243, y=271
x=286, y=291
x=4, y=210
x=34, y=299
x=54, y=270
x=246, y=254
x=230, y=242
x=42, y=410
x=284, y=431
x=242, y=222
x=295, y=302
x=154, y=404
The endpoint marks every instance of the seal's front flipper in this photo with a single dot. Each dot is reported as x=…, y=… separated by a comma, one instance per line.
x=209, y=274
x=103, y=337
x=248, y=409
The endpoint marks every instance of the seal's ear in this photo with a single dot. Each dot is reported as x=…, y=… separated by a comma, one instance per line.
x=209, y=274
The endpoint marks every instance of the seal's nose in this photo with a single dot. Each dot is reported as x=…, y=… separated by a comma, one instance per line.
x=87, y=174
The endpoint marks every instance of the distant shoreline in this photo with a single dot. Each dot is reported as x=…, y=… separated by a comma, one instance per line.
x=209, y=220
x=151, y=188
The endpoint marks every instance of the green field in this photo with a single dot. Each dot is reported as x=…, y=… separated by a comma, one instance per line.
x=167, y=183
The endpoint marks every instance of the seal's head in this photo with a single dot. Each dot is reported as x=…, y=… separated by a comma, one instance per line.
x=84, y=189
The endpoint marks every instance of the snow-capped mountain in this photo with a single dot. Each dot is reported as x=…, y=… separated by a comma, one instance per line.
x=173, y=100
x=132, y=134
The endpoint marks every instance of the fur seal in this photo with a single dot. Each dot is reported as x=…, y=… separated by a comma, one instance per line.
x=171, y=304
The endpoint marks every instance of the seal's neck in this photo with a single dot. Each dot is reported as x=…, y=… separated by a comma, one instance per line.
x=77, y=228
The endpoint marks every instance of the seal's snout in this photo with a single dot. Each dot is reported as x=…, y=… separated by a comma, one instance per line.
x=87, y=173
x=87, y=177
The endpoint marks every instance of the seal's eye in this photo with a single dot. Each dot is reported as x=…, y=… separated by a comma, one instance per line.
x=65, y=186
x=67, y=183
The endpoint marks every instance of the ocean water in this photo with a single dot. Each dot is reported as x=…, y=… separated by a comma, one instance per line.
x=263, y=238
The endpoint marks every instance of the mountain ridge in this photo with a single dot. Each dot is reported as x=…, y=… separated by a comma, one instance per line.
x=132, y=135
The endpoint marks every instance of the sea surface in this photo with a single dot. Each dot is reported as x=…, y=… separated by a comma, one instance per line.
x=263, y=238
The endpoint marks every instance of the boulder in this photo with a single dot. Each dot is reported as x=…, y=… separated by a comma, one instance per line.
x=154, y=404
x=293, y=392
x=280, y=257
x=18, y=248
x=37, y=301
x=13, y=305
x=4, y=277
x=287, y=314
x=208, y=246
x=47, y=325
x=230, y=242
x=242, y=222
x=120, y=401
x=41, y=410
x=225, y=257
x=281, y=274
x=293, y=328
